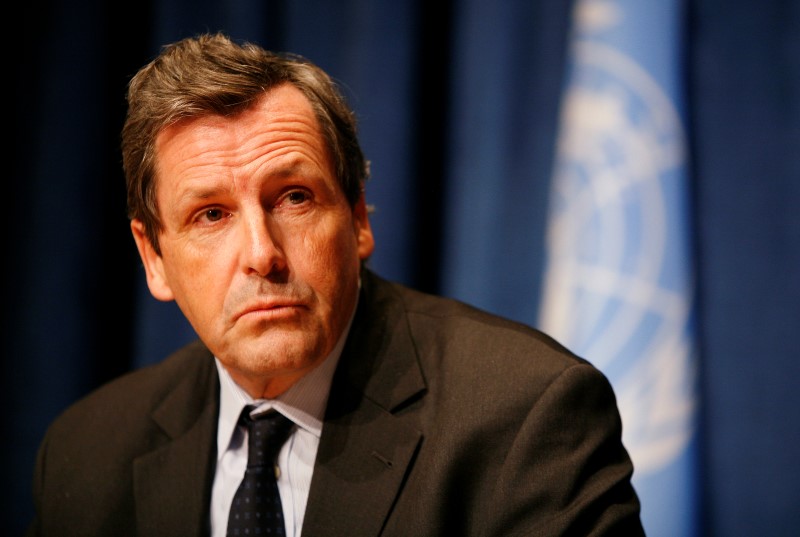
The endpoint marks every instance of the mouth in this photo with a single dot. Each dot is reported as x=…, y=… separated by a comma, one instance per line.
x=271, y=311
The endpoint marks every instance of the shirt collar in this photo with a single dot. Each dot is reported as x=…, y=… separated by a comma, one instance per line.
x=304, y=403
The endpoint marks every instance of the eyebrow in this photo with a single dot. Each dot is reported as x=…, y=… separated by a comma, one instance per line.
x=203, y=192
x=296, y=166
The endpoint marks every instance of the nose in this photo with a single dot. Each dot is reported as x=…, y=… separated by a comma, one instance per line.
x=262, y=252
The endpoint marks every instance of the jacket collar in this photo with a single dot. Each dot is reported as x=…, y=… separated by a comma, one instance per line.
x=368, y=441
x=183, y=460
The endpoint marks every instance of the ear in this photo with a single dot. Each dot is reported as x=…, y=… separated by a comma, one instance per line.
x=153, y=264
x=366, y=242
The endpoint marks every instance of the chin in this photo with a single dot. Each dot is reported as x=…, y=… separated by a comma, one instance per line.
x=274, y=356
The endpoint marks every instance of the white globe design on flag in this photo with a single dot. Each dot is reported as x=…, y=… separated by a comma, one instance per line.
x=616, y=290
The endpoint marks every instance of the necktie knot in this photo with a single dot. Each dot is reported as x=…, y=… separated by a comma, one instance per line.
x=266, y=434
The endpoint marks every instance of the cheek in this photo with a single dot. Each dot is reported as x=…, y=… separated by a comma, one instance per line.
x=333, y=243
x=328, y=255
x=198, y=280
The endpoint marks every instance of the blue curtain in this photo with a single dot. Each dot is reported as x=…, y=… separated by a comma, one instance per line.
x=745, y=116
x=459, y=106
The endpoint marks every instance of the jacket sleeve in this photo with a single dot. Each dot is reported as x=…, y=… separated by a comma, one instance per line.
x=38, y=477
x=570, y=446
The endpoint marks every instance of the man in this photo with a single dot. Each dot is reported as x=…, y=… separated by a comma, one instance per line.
x=410, y=414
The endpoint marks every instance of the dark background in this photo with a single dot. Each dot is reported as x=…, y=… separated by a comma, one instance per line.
x=458, y=103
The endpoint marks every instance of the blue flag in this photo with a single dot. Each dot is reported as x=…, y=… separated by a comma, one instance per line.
x=618, y=286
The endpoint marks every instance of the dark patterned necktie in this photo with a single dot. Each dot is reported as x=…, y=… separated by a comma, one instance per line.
x=256, y=507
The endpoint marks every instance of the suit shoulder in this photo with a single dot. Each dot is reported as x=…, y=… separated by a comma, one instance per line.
x=455, y=320
x=135, y=393
x=464, y=349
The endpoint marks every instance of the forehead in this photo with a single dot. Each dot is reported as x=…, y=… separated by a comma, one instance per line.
x=275, y=108
x=280, y=123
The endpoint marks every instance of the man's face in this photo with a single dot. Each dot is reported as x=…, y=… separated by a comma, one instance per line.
x=260, y=248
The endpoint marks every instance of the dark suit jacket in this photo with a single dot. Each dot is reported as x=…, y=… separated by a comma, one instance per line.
x=442, y=420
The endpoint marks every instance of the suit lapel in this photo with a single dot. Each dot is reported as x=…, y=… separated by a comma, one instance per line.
x=367, y=447
x=172, y=483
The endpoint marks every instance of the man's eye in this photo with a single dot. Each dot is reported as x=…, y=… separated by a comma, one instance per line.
x=213, y=215
x=296, y=197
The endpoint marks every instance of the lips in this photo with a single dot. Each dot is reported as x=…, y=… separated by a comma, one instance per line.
x=272, y=308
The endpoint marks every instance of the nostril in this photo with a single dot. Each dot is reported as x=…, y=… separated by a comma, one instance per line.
x=278, y=274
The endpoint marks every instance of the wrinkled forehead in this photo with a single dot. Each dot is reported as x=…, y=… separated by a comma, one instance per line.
x=279, y=131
